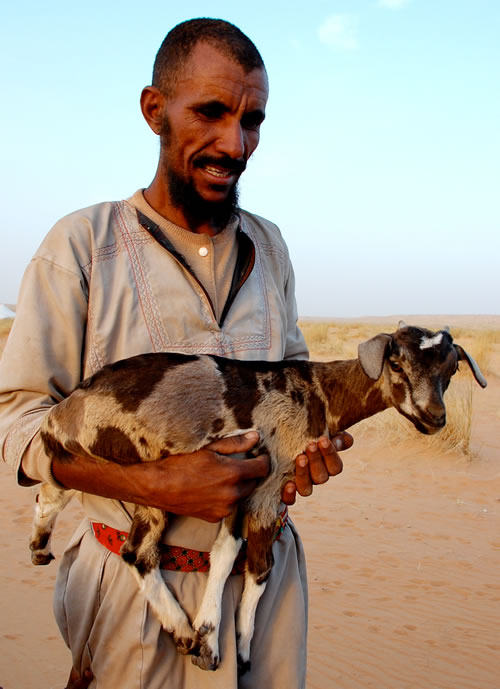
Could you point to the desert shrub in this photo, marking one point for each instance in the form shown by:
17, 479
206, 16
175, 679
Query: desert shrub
315, 333
480, 344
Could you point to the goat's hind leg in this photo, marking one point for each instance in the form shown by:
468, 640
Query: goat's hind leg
49, 502
141, 552
257, 570
207, 623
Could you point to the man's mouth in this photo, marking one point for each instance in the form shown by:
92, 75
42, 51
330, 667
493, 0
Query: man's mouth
217, 172
223, 169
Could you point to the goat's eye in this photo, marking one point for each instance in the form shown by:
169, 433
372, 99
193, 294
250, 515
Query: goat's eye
395, 366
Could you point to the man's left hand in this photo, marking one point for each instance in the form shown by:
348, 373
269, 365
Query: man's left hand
315, 466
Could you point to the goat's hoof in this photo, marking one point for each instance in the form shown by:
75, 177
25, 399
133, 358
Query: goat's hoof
187, 645
243, 666
38, 558
205, 660
207, 657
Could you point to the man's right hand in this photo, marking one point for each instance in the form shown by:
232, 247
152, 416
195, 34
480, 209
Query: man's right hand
206, 484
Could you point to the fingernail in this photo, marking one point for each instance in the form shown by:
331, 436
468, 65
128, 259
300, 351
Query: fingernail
252, 435
324, 442
302, 461
312, 447
338, 444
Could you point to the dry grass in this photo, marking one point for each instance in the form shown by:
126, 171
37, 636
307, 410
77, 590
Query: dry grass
5, 326
340, 341
316, 333
480, 344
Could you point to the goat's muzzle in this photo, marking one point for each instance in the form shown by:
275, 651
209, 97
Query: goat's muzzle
429, 422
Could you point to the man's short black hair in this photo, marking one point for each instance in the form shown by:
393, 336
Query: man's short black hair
180, 42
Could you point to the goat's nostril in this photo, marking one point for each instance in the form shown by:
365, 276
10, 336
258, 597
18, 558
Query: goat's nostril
435, 416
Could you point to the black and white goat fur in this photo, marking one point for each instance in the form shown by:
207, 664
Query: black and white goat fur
153, 405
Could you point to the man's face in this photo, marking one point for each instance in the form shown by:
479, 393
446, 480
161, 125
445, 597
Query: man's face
211, 129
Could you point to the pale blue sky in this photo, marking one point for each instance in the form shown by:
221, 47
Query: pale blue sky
379, 157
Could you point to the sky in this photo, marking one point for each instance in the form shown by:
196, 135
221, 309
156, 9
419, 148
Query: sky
379, 158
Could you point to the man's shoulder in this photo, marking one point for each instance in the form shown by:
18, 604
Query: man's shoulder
80, 233
264, 231
94, 223
93, 215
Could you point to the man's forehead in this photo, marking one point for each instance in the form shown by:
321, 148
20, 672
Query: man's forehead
208, 68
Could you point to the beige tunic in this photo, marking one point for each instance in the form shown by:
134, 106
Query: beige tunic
101, 288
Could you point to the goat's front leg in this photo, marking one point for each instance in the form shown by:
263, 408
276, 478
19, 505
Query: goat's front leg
207, 622
257, 570
49, 502
141, 551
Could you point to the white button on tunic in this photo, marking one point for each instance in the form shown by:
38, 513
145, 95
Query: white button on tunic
203, 251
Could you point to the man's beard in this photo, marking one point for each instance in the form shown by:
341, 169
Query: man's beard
195, 208
184, 196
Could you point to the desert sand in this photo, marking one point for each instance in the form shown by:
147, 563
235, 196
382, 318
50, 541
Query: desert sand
403, 560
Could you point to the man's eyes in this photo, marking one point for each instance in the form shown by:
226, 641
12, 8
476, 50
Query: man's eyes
252, 120
216, 111
212, 111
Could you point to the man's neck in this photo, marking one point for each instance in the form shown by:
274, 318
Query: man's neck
158, 198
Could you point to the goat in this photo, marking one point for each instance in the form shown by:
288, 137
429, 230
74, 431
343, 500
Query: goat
160, 404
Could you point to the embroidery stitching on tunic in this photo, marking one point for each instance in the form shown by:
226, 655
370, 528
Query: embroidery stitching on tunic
146, 298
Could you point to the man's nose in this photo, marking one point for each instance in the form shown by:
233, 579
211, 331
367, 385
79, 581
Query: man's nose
231, 141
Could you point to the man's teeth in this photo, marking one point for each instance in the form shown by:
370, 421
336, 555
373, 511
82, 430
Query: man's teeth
216, 172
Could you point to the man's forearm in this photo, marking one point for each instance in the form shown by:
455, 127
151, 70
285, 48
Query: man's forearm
107, 479
206, 484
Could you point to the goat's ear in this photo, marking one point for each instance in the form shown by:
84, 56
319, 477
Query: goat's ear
372, 353
476, 372
402, 325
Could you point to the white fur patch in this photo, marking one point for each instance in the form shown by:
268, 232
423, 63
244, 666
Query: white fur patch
169, 612
428, 342
245, 620
50, 502
222, 557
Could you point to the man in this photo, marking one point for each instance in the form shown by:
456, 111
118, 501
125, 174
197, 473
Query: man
179, 267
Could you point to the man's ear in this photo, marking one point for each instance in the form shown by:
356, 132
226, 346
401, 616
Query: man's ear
153, 107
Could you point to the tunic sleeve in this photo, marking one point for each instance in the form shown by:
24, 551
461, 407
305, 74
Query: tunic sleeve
42, 361
296, 347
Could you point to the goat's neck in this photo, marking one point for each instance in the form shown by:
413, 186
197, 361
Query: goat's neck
349, 394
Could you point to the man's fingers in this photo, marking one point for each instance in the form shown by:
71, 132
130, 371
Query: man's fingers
257, 467
330, 456
319, 461
289, 493
302, 476
317, 467
342, 441
234, 444
248, 469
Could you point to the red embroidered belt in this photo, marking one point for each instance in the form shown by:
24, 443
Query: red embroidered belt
174, 557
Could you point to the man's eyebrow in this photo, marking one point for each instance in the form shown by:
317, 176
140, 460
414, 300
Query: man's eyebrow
257, 114
213, 103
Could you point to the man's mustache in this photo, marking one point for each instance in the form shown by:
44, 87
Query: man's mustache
237, 165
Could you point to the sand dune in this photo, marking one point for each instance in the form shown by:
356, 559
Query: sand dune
403, 557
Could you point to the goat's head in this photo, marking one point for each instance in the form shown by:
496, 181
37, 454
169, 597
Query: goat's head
417, 365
